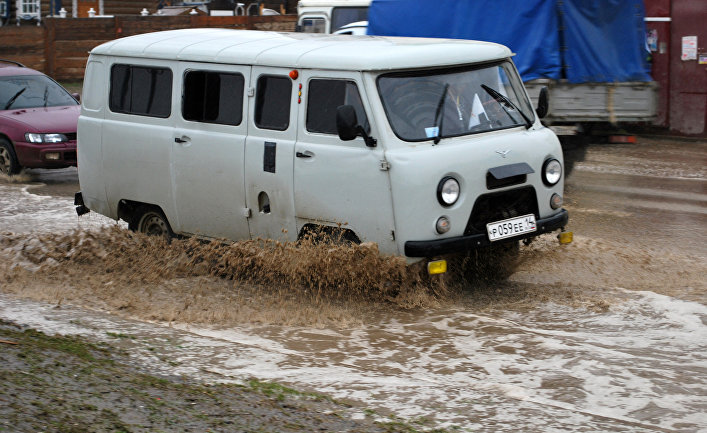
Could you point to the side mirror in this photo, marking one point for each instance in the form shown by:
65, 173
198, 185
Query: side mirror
348, 128
543, 102
76, 96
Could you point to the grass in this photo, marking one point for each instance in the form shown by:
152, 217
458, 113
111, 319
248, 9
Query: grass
70, 384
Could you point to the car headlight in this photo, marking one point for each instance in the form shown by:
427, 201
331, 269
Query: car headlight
552, 172
31, 137
448, 191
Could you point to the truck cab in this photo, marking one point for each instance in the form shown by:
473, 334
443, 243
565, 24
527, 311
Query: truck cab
329, 16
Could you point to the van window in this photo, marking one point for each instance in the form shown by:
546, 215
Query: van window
145, 91
421, 105
213, 97
313, 25
325, 96
272, 102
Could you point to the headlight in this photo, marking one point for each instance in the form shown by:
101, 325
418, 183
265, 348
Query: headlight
448, 191
31, 137
442, 226
552, 172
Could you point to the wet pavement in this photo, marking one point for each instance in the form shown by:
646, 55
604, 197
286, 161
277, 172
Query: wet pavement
606, 334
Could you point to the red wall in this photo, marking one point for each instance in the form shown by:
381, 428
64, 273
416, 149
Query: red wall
683, 94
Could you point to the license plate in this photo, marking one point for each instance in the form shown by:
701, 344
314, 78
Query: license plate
511, 227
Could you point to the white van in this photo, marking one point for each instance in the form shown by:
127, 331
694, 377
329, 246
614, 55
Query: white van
423, 146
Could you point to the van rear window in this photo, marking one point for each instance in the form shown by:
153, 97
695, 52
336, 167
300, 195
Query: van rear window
213, 97
145, 91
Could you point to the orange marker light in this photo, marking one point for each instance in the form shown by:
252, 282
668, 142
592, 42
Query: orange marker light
294, 74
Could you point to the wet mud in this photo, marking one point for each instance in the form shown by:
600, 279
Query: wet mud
605, 334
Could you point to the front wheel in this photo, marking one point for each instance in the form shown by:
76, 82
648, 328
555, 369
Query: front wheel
8, 159
151, 221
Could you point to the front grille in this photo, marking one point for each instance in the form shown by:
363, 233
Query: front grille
70, 156
493, 183
71, 136
500, 206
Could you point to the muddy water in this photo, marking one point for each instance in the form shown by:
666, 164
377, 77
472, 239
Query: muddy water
606, 334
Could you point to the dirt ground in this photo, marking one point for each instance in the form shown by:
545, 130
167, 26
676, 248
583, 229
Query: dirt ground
67, 384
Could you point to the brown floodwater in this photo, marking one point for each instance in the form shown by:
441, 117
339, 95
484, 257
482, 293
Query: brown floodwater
608, 333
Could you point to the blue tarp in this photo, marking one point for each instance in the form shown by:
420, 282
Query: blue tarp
603, 40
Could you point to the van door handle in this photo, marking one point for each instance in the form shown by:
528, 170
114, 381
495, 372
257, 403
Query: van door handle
181, 140
306, 154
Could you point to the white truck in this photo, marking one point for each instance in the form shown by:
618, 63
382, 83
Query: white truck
601, 35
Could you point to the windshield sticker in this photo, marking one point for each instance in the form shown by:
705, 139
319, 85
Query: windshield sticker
432, 132
476, 111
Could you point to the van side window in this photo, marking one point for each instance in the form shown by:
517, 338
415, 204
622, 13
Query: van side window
213, 97
145, 91
325, 96
272, 102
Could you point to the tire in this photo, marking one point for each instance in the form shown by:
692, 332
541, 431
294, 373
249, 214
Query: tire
8, 158
328, 235
151, 221
491, 264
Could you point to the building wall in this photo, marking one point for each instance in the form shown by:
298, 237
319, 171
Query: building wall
683, 104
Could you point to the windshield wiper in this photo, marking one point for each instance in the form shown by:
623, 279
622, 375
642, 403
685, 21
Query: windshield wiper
14, 98
440, 104
506, 104
46, 93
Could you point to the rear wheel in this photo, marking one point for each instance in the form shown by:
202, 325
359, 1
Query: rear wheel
8, 159
151, 221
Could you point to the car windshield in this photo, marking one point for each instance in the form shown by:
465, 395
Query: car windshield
436, 104
30, 91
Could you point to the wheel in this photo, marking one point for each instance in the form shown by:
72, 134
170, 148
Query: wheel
494, 263
328, 235
8, 159
151, 221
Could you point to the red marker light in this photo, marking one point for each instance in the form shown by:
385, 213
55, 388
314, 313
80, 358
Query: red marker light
294, 74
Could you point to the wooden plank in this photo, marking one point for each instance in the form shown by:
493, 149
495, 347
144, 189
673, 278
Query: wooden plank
70, 62
75, 48
69, 74
77, 29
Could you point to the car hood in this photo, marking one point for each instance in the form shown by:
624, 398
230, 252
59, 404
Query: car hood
41, 119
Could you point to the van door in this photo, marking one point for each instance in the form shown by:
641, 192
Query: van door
341, 182
209, 149
269, 154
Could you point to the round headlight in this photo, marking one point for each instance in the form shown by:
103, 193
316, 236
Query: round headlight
552, 172
448, 191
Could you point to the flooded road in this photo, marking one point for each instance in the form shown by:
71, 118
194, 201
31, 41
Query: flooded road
606, 334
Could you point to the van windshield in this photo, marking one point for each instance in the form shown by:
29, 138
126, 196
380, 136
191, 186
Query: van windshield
435, 104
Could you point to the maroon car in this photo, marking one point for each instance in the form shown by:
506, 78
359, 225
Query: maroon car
37, 120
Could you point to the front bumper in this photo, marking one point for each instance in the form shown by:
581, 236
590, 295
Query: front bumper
34, 155
467, 243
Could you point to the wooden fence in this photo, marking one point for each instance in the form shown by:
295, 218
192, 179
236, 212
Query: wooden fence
60, 47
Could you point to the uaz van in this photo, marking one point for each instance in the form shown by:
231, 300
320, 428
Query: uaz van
422, 146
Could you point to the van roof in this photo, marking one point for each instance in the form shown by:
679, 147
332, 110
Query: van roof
302, 50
